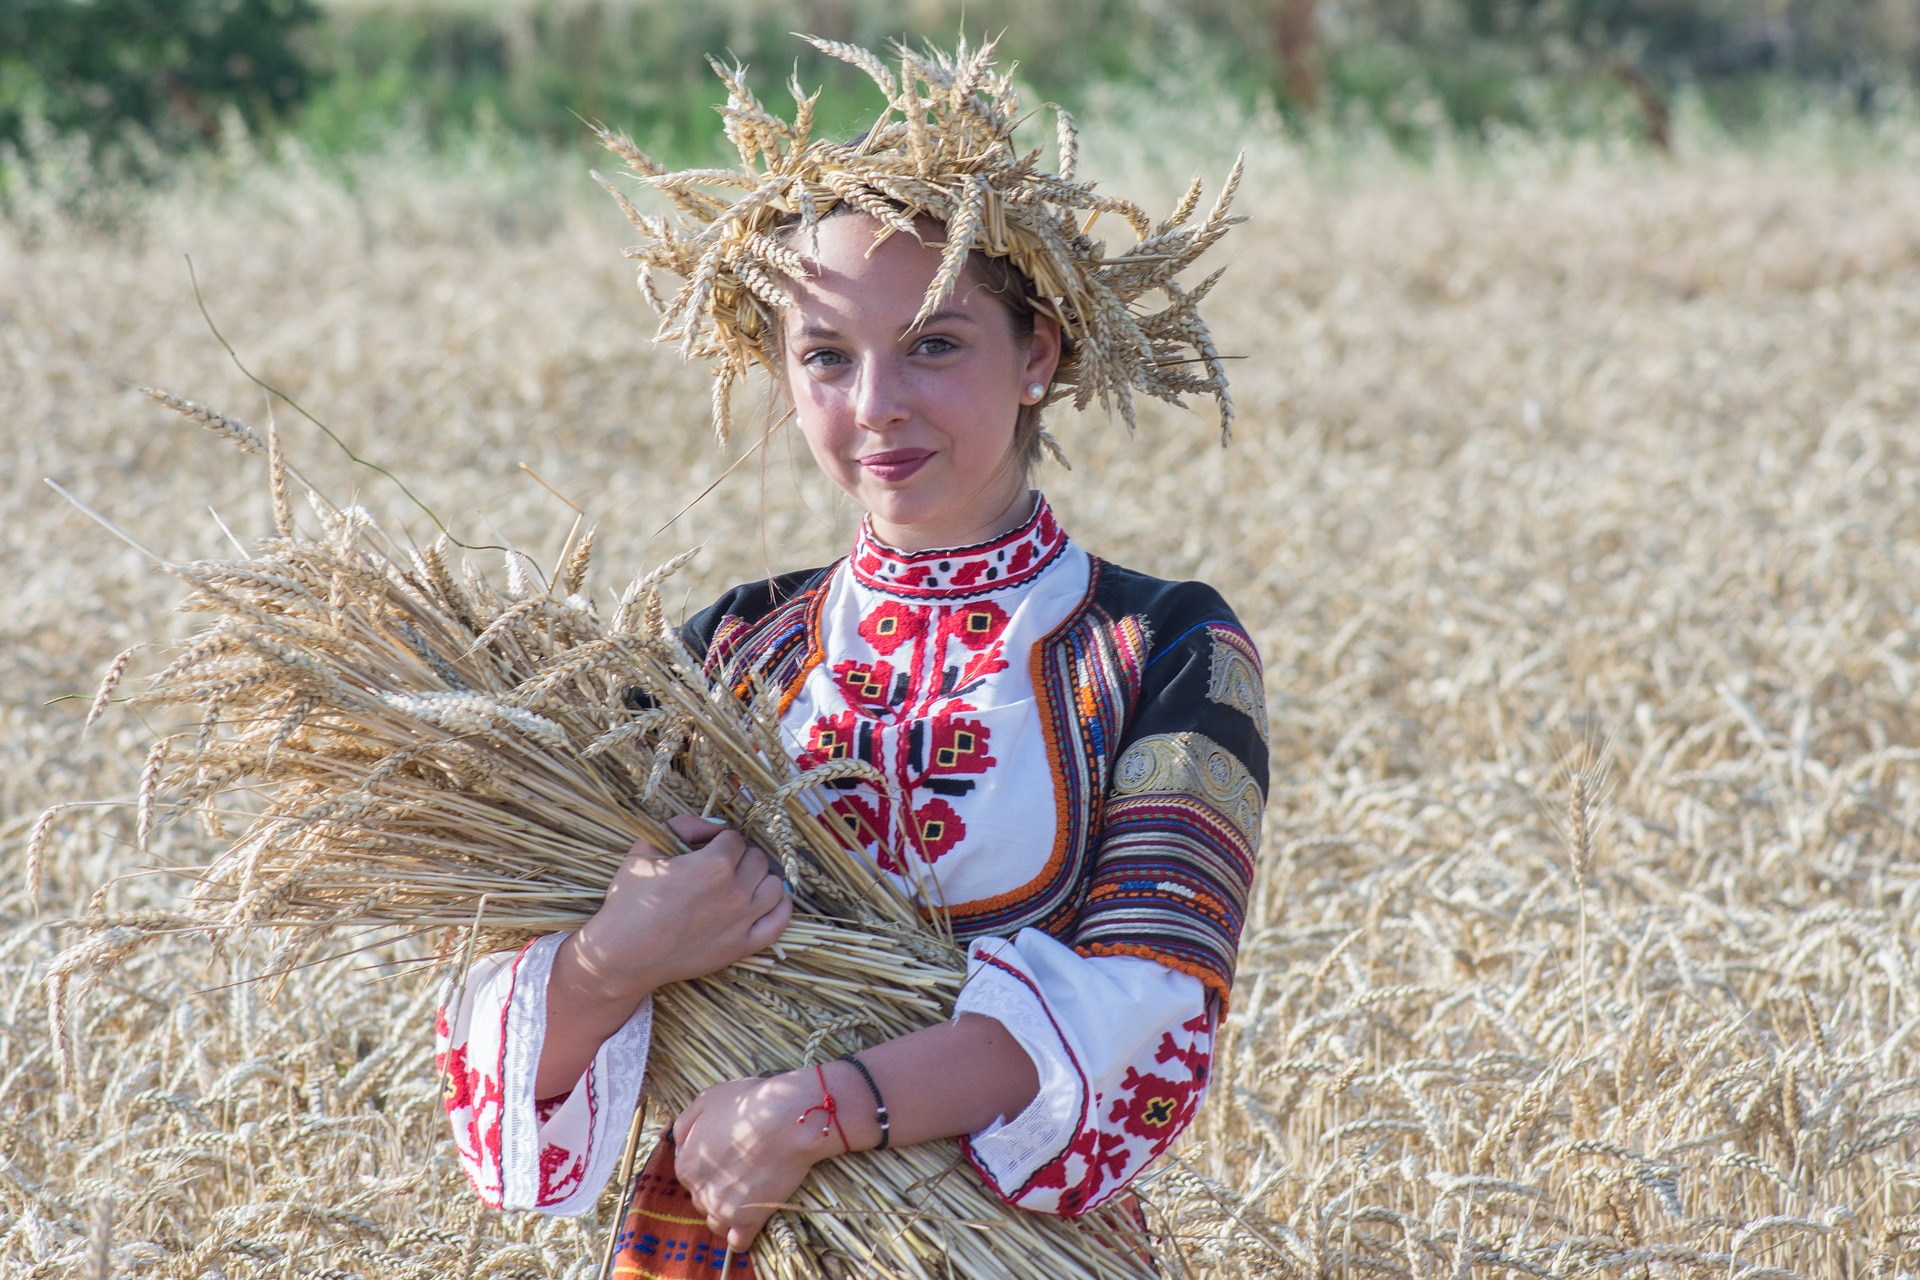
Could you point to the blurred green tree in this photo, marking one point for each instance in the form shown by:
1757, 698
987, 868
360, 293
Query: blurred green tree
167, 67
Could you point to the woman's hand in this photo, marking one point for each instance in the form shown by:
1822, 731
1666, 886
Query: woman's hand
664, 919
741, 1148
668, 919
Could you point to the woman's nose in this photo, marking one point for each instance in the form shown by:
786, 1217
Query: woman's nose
880, 399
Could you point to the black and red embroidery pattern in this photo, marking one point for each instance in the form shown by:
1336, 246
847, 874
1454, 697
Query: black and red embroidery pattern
962, 571
911, 694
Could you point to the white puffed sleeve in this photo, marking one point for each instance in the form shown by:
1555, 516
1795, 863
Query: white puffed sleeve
549, 1154
1123, 1046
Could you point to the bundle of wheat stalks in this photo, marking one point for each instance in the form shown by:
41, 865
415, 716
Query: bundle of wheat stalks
412, 748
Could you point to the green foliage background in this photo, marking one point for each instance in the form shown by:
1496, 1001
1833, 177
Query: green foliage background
341, 74
165, 67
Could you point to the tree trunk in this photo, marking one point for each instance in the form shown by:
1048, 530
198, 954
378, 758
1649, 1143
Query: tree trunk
1295, 34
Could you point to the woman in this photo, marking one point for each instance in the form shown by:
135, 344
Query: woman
1075, 753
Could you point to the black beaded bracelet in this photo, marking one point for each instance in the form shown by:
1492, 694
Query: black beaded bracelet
879, 1103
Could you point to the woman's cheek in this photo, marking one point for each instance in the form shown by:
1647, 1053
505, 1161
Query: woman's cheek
830, 446
831, 416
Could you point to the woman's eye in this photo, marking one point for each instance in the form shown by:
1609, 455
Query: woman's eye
821, 359
935, 346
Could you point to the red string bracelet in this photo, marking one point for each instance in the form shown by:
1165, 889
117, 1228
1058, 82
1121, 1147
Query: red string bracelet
828, 1105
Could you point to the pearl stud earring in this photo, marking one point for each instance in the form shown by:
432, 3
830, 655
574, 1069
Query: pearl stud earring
1036, 390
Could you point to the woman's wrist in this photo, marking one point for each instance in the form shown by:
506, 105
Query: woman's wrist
826, 1110
805, 1106
583, 1009
867, 1105
859, 1118
580, 965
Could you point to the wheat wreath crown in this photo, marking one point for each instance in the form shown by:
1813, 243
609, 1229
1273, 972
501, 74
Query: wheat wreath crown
943, 147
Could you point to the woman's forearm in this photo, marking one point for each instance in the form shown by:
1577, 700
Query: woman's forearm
741, 1152
582, 1013
942, 1081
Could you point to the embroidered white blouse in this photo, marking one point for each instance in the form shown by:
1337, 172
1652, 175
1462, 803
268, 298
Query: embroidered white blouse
925, 667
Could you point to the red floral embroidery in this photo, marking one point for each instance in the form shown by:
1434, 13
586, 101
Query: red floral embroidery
955, 745
561, 1172
892, 625
937, 828
1099, 1155
474, 1101
1154, 1107
975, 625
865, 685
906, 692
960, 572
1126, 1127
1196, 1054
456, 1078
862, 820
832, 737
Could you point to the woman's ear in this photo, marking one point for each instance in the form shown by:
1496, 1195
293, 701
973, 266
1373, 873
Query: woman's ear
1043, 351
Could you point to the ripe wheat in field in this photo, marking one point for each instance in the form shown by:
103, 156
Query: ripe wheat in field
1565, 468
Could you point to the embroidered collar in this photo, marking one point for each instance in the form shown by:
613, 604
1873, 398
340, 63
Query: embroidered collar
1013, 559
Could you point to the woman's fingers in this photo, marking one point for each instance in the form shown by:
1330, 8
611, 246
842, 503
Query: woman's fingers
724, 848
739, 1223
728, 1215
766, 930
694, 830
682, 1125
770, 905
740, 1154
668, 919
770, 894
754, 869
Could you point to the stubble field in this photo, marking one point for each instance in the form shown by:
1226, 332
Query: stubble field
1560, 475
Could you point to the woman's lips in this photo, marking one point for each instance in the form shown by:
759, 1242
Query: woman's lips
895, 464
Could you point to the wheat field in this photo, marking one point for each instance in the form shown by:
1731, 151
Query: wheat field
1573, 508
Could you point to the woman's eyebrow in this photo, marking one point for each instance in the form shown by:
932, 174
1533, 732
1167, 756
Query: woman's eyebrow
939, 318
827, 333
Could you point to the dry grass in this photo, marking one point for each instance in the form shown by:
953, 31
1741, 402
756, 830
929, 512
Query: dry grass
1572, 457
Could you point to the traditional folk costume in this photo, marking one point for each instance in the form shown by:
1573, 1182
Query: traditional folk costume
1075, 759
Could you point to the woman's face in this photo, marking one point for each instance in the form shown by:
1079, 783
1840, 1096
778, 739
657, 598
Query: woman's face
917, 424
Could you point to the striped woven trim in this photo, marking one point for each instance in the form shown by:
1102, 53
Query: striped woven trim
1086, 679
1176, 859
778, 649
